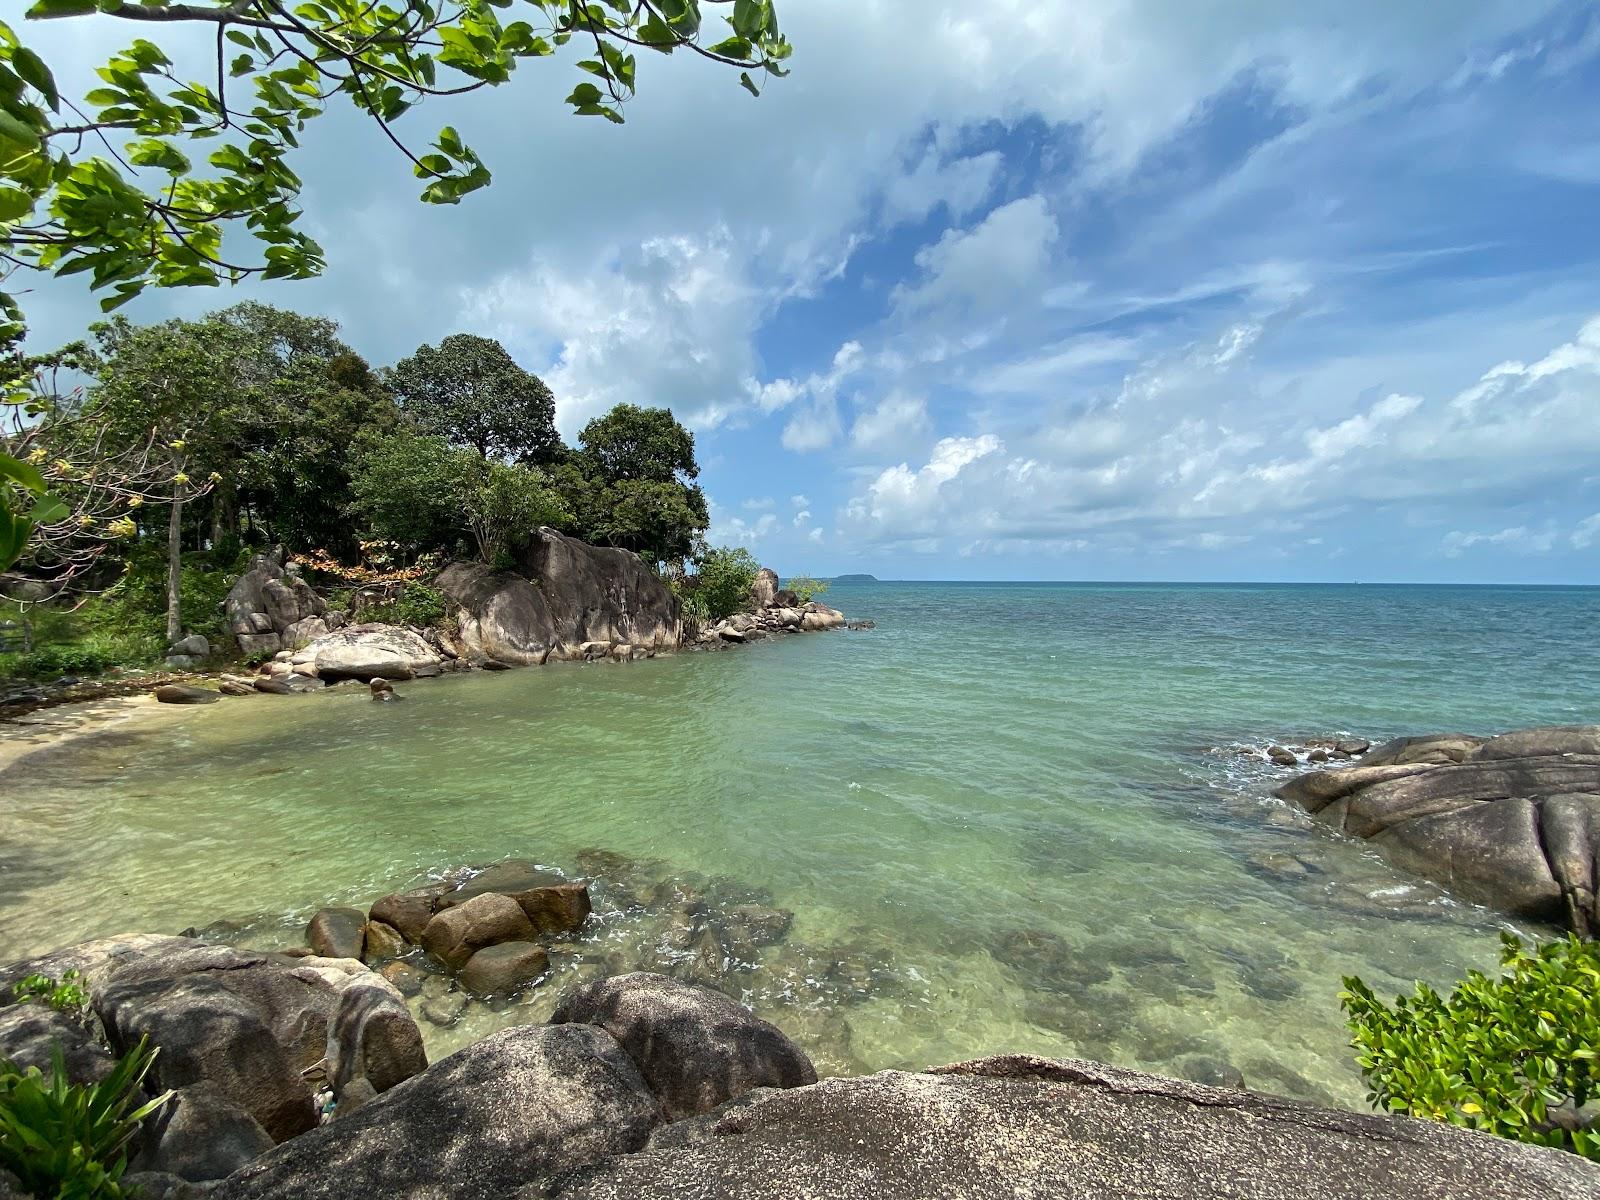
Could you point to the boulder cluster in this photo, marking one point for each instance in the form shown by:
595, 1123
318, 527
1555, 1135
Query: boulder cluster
271, 607
1512, 822
487, 931
773, 610
640, 1086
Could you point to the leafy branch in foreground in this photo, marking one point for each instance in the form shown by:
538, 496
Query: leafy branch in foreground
1513, 1056
71, 1140
112, 187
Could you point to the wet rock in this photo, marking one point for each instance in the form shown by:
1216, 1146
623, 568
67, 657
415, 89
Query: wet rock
273, 687
1352, 746
1281, 756
559, 908
455, 934
1212, 1072
337, 932
373, 1042
234, 685
504, 968
695, 1048
1278, 865
1048, 958
444, 1010
383, 691
1317, 756
184, 693
201, 1134
407, 978
383, 942
511, 1111
409, 912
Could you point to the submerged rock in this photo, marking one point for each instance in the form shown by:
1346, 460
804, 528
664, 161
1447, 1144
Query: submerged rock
504, 968
185, 693
1512, 822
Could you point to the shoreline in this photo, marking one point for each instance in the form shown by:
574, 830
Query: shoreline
58, 726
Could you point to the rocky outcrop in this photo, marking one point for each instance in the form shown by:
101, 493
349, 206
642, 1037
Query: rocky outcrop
1035, 1127
1512, 822
696, 1048
563, 593
368, 652
525, 1105
270, 607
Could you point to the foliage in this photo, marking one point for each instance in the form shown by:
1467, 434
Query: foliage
67, 1140
380, 564
724, 577
66, 996
468, 391
805, 588
505, 503
413, 604
406, 486
628, 484
196, 158
1514, 1056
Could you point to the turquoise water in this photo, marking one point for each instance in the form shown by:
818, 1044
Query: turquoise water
1009, 818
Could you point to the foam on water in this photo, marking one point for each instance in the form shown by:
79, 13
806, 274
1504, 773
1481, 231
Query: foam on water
1000, 819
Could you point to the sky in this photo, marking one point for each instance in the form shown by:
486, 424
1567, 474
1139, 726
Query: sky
1107, 289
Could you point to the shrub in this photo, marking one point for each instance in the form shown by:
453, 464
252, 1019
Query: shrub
806, 588
67, 996
416, 604
69, 1141
724, 578
1513, 1056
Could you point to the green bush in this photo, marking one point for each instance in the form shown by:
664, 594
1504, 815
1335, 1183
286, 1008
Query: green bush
94, 654
66, 996
68, 1141
724, 578
417, 604
806, 588
1513, 1056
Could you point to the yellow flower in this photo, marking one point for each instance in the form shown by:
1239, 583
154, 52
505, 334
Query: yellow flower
38, 456
177, 445
135, 501
215, 477
180, 477
85, 520
63, 467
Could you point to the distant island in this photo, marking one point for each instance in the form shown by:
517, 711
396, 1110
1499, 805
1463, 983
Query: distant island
855, 579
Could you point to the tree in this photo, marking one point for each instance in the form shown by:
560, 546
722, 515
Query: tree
72, 200
470, 392
722, 580
406, 489
628, 485
630, 442
504, 504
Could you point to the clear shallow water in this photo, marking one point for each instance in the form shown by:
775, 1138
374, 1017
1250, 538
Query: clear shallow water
1005, 820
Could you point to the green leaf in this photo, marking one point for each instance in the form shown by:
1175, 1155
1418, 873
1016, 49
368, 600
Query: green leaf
749, 84
32, 69
47, 510
60, 8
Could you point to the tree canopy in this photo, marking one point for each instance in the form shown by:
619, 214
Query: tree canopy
470, 392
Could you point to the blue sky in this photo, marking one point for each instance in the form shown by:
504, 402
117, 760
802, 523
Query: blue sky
1102, 290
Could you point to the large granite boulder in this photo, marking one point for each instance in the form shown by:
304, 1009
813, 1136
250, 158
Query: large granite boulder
251, 1026
522, 1106
200, 1134
1511, 821
30, 1034
1038, 1128
372, 652
764, 591
267, 601
696, 1048
582, 593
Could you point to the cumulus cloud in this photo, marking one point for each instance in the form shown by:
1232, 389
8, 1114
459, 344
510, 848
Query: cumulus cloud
984, 267
897, 418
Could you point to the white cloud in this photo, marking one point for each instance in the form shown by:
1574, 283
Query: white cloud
759, 503
801, 517
1520, 539
960, 185
800, 501
896, 419
1586, 532
815, 535
986, 266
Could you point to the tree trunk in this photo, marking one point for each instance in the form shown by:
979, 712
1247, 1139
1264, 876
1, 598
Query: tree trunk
175, 568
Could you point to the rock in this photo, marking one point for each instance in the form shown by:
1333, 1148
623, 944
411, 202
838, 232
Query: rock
444, 1010
29, 1034
558, 908
504, 968
593, 651
409, 912
861, 625
372, 651
493, 664
1213, 1073
512, 1111
383, 691
696, 1048
407, 978
372, 1042
1282, 756
273, 687
764, 591
1318, 755
383, 942
233, 685
337, 932
194, 646
1028, 1127
184, 693
455, 934
267, 601
585, 594
1352, 746
201, 1134
1512, 822
303, 632
729, 634
181, 662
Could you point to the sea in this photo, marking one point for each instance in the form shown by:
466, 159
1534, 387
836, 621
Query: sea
1012, 817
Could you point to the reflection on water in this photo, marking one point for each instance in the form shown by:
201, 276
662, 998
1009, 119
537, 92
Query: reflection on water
997, 820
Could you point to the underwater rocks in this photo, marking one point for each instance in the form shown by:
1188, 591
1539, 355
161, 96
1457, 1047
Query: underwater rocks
1512, 822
